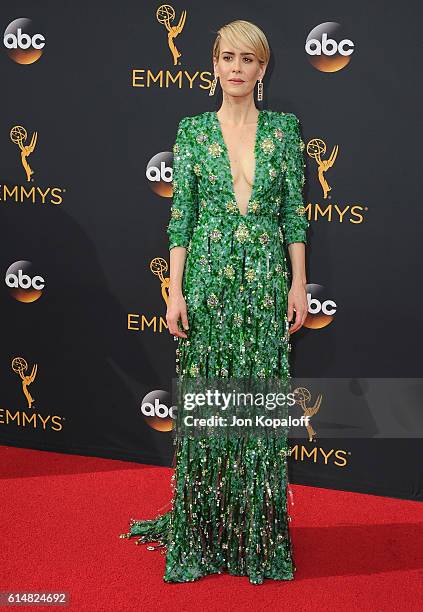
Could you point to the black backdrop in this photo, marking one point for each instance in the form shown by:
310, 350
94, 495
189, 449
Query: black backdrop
96, 329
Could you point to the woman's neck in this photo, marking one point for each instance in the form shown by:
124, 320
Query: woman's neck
239, 113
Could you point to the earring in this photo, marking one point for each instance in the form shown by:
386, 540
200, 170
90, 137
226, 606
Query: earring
260, 90
213, 86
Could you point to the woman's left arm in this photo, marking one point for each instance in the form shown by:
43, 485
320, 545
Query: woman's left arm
297, 297
294, 221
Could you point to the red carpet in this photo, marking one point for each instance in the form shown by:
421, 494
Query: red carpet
61, 516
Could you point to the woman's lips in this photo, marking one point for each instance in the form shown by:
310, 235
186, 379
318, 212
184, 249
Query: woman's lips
235, 81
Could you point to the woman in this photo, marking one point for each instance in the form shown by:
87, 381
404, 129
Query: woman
237, 204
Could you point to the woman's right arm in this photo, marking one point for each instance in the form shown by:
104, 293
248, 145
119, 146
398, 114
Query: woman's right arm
182, 222
176, 306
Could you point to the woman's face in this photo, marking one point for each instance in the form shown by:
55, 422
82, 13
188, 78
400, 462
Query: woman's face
238, 68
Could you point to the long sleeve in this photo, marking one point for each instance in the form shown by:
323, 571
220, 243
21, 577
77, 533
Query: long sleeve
184, 208
292, 213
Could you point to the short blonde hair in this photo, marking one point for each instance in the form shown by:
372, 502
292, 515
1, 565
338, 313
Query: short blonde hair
246, 32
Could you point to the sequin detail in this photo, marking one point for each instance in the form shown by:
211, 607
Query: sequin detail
230, 496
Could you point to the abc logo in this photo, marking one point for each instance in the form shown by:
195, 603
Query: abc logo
23, 44
159, 174
327, 47
157, 412
321, 309
24, 285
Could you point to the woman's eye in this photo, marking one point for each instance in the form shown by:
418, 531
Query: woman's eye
247, 59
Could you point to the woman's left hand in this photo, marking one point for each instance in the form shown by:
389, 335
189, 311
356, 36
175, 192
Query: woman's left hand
297, 300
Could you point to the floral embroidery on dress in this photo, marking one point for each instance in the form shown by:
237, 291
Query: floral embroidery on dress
212, 300
216, 235
176, 213
242, 233
231, 206
268, 301
264, 238
250, 275
215, 149
255, 206
229, 271
268, 145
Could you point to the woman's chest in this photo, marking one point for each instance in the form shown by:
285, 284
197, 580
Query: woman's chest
240, 148
224, 157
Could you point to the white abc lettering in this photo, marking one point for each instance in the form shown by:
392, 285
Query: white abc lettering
329, 46
163, 174
153, 174
157, 409
166, 172
161, 409
147, 409
328, 307
24, 281
346, 47
23, 41
38, 282
41, 43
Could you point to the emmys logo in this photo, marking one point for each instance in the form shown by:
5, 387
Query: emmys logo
19, 194
23, 44
158, 267
164, 79
323, 50
318, 454
316, 148
24, 285
321, 311
165, 14
139, 322
354, 213
302, 397
19, 366
18, 135
157, 414
34, 419
159, 174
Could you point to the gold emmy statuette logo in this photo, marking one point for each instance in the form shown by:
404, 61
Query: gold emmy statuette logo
316, 148
18, 136
302, 397
165, 14
19, 366
158, 266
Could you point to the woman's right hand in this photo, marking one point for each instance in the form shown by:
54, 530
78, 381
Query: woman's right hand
177, 309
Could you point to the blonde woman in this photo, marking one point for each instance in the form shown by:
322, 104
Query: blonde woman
237, 212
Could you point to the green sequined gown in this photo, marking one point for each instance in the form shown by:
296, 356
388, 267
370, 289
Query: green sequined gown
230, 505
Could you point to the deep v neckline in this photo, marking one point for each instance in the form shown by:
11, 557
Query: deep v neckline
256, 159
